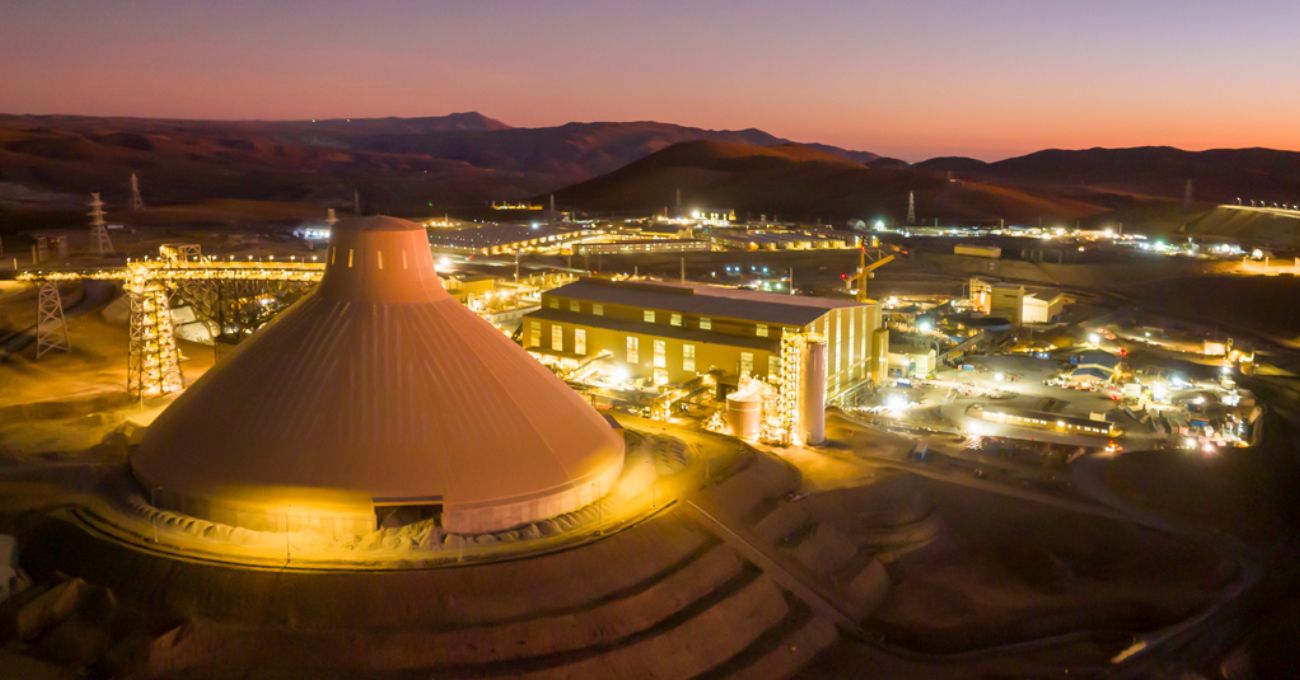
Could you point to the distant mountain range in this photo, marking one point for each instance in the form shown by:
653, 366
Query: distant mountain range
1218, 174
1143, 183
399, 164
796, 181
406, 165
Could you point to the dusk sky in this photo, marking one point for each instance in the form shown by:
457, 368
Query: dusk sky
913, 79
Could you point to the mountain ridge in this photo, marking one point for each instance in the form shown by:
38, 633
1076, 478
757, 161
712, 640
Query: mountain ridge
408, 164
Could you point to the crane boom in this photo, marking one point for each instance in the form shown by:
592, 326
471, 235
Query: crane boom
865, 269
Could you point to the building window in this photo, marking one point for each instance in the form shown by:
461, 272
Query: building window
633, 345
760, 330
553, 303
580, 341
661, 354
688, 358
675, 320
706, 324
773, 368
575, 306
648, 316
746, 363
534, 333
557, 337
597, 309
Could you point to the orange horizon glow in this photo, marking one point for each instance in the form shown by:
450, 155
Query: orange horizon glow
932, 78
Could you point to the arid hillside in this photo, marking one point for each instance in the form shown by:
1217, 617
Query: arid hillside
1216, 175
800, 182
399, 165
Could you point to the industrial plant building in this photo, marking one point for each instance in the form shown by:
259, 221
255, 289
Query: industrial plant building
669, 333
378, 399
643, 246
1016, 303
776, 238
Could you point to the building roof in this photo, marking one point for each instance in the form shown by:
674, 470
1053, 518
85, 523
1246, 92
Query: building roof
1048, 295
380, 384
1096, 357
705, 300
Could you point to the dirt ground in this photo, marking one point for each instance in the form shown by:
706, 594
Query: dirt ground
68, 401
1261, 304
1236, 491
1006, 571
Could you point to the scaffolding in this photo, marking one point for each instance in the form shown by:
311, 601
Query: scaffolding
153, 365
51, 327
789, 384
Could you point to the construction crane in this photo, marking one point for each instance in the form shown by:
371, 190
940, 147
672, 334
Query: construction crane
870, 262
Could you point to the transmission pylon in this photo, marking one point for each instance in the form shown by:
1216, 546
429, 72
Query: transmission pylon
137, 203
911, 208
98, 229
153, 365
51, 327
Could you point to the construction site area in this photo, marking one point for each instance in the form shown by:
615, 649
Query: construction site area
371, 447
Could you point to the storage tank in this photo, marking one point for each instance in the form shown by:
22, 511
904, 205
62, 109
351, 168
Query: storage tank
744, 413
812, 391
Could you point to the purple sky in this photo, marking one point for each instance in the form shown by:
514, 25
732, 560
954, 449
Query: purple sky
987, 78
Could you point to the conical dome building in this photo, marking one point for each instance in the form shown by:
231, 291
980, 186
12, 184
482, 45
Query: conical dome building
376, 393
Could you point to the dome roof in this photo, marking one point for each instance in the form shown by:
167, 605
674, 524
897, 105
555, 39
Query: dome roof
378, 389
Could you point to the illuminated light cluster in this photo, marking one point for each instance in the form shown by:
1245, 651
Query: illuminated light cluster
896, 404
787, 427
153, 362
1103, 429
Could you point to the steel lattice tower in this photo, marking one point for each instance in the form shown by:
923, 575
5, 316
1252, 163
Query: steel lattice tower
98, 229
137, 203
153, 362
51, 327
792, 349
